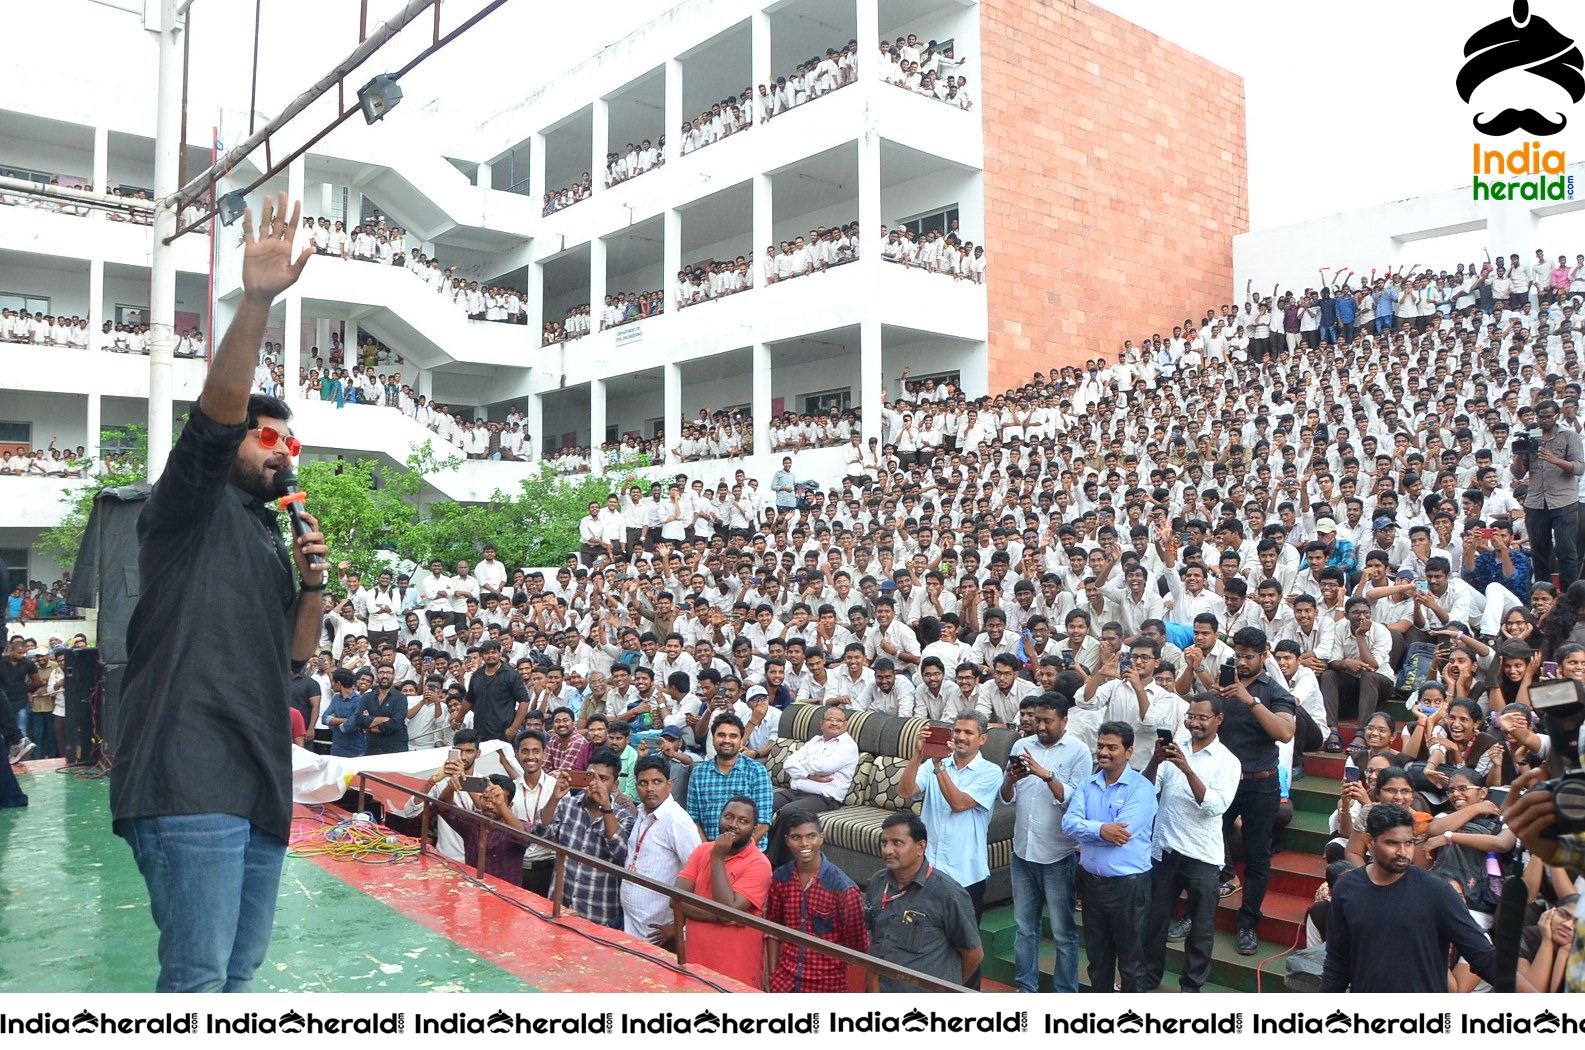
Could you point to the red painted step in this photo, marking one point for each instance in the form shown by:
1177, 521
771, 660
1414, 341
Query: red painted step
1282, 916
1296, 874
1324, 764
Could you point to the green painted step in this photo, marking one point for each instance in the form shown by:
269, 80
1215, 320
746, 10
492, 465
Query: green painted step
1308, 833
1000, 968
1229, 970
1315, 794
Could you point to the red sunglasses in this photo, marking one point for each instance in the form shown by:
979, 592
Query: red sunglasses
268, 436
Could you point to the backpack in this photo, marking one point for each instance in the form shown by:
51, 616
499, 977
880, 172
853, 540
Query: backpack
1415, 669
1467, 865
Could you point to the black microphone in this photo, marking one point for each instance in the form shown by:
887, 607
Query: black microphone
291, 500
1506, 936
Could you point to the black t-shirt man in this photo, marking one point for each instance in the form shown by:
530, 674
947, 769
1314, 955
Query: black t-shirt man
494, 699
14, 678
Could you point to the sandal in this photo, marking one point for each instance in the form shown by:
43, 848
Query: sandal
1227, 889
1334, 743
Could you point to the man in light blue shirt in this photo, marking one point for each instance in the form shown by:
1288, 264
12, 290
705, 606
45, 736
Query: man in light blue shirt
958, 793
1110, 818
783, 485
1044, 773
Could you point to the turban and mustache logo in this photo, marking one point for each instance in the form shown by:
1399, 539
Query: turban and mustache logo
1526, 42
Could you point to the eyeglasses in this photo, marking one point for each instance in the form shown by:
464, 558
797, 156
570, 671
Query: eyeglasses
268, 436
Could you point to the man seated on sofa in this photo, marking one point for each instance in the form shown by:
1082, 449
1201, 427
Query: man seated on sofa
819, 774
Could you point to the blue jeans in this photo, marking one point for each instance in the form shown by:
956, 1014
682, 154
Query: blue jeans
213, 879
1038, 886
41, 730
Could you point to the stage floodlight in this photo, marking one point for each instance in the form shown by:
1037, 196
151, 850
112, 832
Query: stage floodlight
231, 206
378, 97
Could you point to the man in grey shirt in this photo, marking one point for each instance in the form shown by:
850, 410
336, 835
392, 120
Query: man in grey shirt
1554, 462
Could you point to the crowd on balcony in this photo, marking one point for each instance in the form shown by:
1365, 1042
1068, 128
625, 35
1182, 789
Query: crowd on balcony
935, 251
724, 118
713, 279
815, 76
928, 69
378, 242
47, 462
635, 160
627, 307
567, 196
575, 325
1335, 523
41, 329
825, 248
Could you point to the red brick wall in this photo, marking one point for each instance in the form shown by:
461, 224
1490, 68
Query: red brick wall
1115, 179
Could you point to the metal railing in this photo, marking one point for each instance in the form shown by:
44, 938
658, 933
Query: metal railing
682, 901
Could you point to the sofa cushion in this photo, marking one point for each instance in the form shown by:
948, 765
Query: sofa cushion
854, 828
885, 780
799, 722
776, 761
859, 789
887, 734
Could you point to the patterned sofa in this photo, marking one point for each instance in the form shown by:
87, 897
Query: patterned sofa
886, 742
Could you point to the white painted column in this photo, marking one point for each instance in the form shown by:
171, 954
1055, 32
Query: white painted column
536, 425
536, 175
98, 313
596, 282
483, 177
672, 116
292, 345
671, 255
94, 423
758, 53
764, 232
292, 325
599, 142
322, 332
671, 401
327, 202
101, 169
596, 426
871, 379
760, 403
536, 302
869, 38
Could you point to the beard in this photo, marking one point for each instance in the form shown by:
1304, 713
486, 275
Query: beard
253, 480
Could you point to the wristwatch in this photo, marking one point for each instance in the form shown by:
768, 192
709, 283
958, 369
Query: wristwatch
607, 810
1447, 838
1048, 778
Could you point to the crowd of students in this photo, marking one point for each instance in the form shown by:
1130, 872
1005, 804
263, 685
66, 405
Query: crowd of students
1205, 557
928, 69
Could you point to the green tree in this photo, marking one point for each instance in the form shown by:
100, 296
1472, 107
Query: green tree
369, 512
62, 542
536, 525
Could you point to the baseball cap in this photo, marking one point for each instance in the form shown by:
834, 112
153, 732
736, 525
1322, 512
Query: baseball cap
1384, 522
671, 733
1326, 525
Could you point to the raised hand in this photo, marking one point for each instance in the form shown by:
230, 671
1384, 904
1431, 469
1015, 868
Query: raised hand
268, 268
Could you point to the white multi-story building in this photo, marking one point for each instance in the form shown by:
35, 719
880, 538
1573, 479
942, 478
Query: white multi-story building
470, 193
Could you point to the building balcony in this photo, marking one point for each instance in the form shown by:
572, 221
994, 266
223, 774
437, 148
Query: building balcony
39, 231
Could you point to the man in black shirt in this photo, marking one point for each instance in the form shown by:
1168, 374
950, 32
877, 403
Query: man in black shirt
19, 677
306, 696
383, 712
1256, 715
496, 696
1391, 923
919, 917
201, 786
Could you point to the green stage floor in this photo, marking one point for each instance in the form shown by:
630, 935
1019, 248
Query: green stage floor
74, 915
